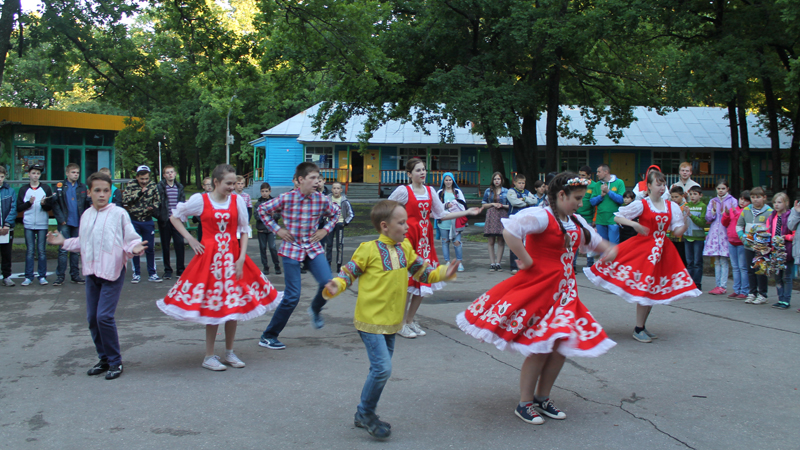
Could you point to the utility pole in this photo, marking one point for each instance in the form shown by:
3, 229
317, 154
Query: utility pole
228, 137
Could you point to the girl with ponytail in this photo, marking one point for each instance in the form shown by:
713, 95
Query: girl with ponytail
537, 312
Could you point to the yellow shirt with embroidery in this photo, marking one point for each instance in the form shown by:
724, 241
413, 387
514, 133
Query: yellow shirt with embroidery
383, 267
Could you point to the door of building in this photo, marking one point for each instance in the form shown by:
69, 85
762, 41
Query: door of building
344, 164
372, 166
356, 166
623, 165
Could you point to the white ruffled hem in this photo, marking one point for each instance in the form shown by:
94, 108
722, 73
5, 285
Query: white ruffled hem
630, 298
425, 291
194, 316
568, 349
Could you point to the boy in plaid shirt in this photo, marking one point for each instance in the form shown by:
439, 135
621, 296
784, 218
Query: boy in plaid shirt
301, 209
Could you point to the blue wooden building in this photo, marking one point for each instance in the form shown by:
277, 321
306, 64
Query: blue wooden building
699, 135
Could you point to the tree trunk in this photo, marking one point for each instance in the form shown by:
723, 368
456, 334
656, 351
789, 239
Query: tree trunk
734, 181
774, 134
198, 176
497, 156
744, 153
526, 149
551, 126
794, 154
10, 9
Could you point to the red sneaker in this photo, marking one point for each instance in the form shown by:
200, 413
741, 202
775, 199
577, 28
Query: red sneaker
742, 296
734, 295
714, 291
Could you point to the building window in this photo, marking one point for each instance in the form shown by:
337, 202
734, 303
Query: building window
701, 163
321, 156
404, 154
573, 160
669, 162
444, 159
26, 157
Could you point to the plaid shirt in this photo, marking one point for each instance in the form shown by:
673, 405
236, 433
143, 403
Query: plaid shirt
301, 215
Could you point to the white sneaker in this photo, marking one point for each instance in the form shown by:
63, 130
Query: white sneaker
8, 282
135, 279
416, 329
407, 332
232, 360
750, 298
212, 363
27, 282
42, 281
760, 300
461, 267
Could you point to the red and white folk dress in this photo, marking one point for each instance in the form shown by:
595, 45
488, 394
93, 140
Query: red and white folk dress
646, 271
421, 210
528, 312
208, 292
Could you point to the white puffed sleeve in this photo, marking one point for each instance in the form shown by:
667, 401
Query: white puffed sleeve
400, 195
593, 242
527, 221
193, 207
631, 211
244, 220
677, 216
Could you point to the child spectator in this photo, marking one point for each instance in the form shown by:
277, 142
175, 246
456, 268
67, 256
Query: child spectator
8, 214
626, 232
540, 198
586, 210
739, 263
717, 239
794, 222
383, 266
106, 243
208, 186
696, 236
240, 182
116, 194
345, 216
778, 225
754, 218
171, 193
31, 201
495, 201
266, 238
677, 196
519, 198
69, 202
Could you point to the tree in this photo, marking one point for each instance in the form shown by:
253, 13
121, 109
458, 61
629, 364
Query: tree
10, 9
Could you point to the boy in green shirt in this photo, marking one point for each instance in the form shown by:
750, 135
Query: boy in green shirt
695, 236
607, 198
587, 210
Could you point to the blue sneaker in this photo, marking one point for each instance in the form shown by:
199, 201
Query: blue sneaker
549, 409
271, 343
316, 319
642, 337
781, 305
528, 414
375, 427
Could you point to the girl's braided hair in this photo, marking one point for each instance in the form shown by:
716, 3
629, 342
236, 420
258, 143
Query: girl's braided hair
567, 182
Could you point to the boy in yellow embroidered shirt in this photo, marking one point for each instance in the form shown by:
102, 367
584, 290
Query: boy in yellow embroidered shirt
383, 266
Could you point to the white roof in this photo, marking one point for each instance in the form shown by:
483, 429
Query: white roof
693, 127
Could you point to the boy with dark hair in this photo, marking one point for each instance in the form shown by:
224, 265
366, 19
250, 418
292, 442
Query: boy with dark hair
116, 194
696, 235
540, 197
266, 238
170, 193
69, 203
302, 209
626, 232
31, 200
519, 198
677, 196
143, 202
754, 218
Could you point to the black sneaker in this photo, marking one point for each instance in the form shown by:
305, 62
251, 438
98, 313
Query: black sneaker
303, 271
271, 343
781, 305
266, 271
167, 276
58, 282
79, 280
277, 270
549, 409
529, 414
114, 372
98, 368
375, 427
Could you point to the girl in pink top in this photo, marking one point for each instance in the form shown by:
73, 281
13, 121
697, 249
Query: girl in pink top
106, 244
739, 262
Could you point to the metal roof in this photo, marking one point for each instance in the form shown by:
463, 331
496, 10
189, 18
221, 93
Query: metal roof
693, 127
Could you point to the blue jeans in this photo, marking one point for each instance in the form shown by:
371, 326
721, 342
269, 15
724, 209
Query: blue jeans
102, 297
74, 258
147, 230
609, 232
739, 266
783, 281
380, 348
721, 271
694, 260
321, 270
35, 241
446, 245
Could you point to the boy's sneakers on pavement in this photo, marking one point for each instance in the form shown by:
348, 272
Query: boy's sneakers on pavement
734, 296
79, 280
213, 363
375, 427
749, 298
760, 300
8, 282
642, 337
154, 279
416, 329
461, 267
97, 369
781, 305
27, 282
528, 414
135, 279
718, 291
316, 319
42, 281
58, 282
741, 296
277, 270
549, 409
232, 360
271, 343
167, 276
114, 372
407, 332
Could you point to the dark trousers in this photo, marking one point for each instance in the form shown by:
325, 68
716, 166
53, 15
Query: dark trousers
5, 256
694, 260
147, 230
758, 283
681, 248
338, 236
102, 297
169, 233
74, 258
267, 241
